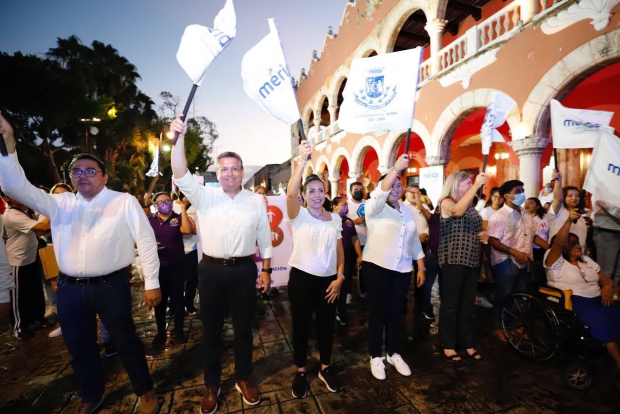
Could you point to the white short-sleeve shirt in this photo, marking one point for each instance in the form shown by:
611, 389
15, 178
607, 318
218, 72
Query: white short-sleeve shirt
22, 244
563, 275
314, 243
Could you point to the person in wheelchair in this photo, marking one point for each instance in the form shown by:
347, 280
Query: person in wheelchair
567, 268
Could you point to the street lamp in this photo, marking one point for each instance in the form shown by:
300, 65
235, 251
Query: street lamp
93, 130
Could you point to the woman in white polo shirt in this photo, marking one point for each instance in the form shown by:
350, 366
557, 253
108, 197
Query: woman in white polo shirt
317, 272
391, 247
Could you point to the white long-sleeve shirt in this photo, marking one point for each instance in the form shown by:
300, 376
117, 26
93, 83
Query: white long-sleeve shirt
6, 281
393, 242
229, 227
420, 220
91, 238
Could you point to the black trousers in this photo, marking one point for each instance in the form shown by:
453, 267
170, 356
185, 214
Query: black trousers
191, 277
27, 299
456, 315
387, 290
349, 267
307, 295
221, 289
171, 281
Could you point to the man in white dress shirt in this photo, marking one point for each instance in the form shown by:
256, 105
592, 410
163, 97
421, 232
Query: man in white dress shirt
94, 233
6, 280
231, 220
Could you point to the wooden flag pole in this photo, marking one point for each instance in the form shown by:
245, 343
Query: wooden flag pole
185, 111
555, 158
484, 162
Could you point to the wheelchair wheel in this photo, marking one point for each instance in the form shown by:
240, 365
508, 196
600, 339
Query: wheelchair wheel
578, 377
531, 326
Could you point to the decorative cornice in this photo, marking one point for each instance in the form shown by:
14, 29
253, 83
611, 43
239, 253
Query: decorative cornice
436, 160
435, 26
530, 147
464, 71
597, 10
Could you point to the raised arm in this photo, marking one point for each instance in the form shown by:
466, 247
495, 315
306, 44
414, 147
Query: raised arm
177, 158
558, 194
390, 178
561, 238
451, 209
292, 190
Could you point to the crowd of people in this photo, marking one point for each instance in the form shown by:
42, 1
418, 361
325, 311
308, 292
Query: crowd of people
388, 239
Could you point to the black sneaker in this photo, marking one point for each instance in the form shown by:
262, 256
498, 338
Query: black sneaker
24, 334
429, 314
342, 319
192, 311
300, 385
330, 380
159, 341
109, 349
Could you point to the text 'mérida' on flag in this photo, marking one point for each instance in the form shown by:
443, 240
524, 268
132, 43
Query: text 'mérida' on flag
267, 79
200, 44
493, 119
380, 92
576, 128
603, 177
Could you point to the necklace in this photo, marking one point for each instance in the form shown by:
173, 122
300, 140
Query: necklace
316, 217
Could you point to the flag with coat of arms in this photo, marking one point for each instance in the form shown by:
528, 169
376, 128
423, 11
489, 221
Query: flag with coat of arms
576, 128
603, 176
380, 92
267, 79
493, 119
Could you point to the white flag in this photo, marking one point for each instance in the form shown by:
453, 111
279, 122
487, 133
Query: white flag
154, 170
603, 177
576, 128
494, 118
200, 45
267, 79
380, 92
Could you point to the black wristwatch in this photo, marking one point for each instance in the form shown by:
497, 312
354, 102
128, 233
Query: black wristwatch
267, 270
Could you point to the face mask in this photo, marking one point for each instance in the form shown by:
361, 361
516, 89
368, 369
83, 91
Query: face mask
344, 211
548, 189
519, 199
164, 209
357, 195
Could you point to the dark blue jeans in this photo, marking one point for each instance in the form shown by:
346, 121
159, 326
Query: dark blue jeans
509, 279
78, 307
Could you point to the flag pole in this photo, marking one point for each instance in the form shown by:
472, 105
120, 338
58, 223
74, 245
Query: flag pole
3, 150
302, 133
555, 158
185, 111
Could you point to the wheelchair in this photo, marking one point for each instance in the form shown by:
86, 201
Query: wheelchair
541, 324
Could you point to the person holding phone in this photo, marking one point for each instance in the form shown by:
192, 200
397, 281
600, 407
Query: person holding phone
94, 232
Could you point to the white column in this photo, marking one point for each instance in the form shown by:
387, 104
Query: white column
529, 151
332, 114
529, 8
383, 170
333, 181
436, 160
434, 28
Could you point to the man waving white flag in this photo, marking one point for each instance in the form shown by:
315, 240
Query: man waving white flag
380, 92
267, 79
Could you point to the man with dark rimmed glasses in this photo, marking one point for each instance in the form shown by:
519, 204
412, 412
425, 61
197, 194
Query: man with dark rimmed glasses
94, 232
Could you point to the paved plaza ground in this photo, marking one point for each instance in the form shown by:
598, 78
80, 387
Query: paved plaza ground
36, 377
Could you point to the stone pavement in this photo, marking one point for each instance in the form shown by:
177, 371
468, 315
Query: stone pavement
36, 377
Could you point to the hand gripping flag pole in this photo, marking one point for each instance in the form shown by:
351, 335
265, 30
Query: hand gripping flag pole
201, 45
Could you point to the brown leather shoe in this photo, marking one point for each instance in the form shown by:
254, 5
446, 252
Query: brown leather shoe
149, 403
208, 405
249, 390
88, 408
500, 335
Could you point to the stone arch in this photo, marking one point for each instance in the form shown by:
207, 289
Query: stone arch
371, 44
567, 73
392, 142
337, 78
457, 111
337, 156
308, 169
392, 24
321, 164
360, 150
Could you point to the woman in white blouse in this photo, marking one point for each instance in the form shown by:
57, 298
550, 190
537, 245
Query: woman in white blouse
568, 268
317, 272
391, 247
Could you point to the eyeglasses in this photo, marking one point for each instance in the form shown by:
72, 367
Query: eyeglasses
89, 172
162, 202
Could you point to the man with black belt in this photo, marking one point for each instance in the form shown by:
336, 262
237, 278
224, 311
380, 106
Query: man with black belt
231, 221
94, 233
606, 218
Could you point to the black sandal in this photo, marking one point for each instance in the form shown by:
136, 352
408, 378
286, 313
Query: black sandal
474, 355
452, 358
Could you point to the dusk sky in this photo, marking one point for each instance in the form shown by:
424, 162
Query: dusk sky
148, 32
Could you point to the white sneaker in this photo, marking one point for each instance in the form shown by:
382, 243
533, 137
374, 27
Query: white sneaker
349, 298
400, 365
377, 368
55, 333
484, 302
